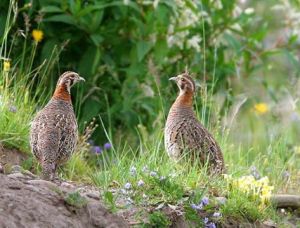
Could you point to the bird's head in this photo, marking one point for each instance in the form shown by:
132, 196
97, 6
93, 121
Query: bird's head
68, 79
185, 83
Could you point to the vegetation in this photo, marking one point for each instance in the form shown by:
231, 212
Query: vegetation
127, 50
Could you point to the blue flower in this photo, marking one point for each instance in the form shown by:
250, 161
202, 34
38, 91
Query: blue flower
145, 169
97, 149
132, 171
162, 178
153, 174
205, 220
210, 225
205, 201
127, 186
196, 207
141, 183
13, 108
107, 146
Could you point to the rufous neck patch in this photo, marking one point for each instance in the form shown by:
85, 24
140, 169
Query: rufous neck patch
61, 92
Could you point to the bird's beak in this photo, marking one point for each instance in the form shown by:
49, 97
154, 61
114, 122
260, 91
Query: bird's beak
173, 79
81, 79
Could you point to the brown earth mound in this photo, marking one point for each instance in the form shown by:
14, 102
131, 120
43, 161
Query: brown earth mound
26, 201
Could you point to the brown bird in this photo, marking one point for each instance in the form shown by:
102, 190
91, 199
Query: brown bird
53, 133
185, 135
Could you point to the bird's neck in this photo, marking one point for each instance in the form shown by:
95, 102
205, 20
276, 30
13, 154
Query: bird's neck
184, 99
62, 93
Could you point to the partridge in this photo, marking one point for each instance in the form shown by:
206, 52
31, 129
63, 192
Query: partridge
185, 135
53, 133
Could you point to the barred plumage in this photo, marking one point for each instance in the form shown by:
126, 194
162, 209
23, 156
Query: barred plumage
53, 133
185, 135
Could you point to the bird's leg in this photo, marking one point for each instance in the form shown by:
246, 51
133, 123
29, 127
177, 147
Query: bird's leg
48, 172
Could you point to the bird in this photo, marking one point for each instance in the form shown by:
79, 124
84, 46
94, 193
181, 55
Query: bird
54, 130
185, 136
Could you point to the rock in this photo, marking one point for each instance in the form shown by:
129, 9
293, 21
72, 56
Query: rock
40, 182
38, 203
16, 176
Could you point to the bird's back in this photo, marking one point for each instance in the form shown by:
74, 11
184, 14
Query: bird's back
184, 133
54, 132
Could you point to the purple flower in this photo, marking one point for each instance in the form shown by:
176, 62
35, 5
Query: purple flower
153, 174
145, 169
196, 207
205, 220
205, 201
162, 178
132, 171
217, 214
210, 225
107, 146
140, 183
97, 149
127, 186
13, 108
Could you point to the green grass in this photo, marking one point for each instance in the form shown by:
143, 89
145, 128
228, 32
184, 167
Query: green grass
142, 171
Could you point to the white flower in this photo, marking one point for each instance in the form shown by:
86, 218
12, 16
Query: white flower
194, 42
132, 171
249, 11
127, 186
126, 2
141, 183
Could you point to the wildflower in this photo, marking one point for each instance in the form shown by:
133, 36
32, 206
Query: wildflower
196, 207
261, 108
205, 220
107, 146
141, 183
162, 178
211, 225
127, 186
37, 35
205, 201
254, 172
6, 65
132, 171
194, 43
13, 108
217, 214
153, 174
97, 149
286, 175
145, 169
249, 11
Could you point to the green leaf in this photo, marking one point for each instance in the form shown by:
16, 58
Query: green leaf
51, 9
143, 47
64, 18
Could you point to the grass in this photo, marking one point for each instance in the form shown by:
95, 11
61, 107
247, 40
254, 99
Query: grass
142, 173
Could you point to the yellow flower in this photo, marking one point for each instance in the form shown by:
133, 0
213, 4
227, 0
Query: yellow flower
37, 35
261, 108
6, 65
